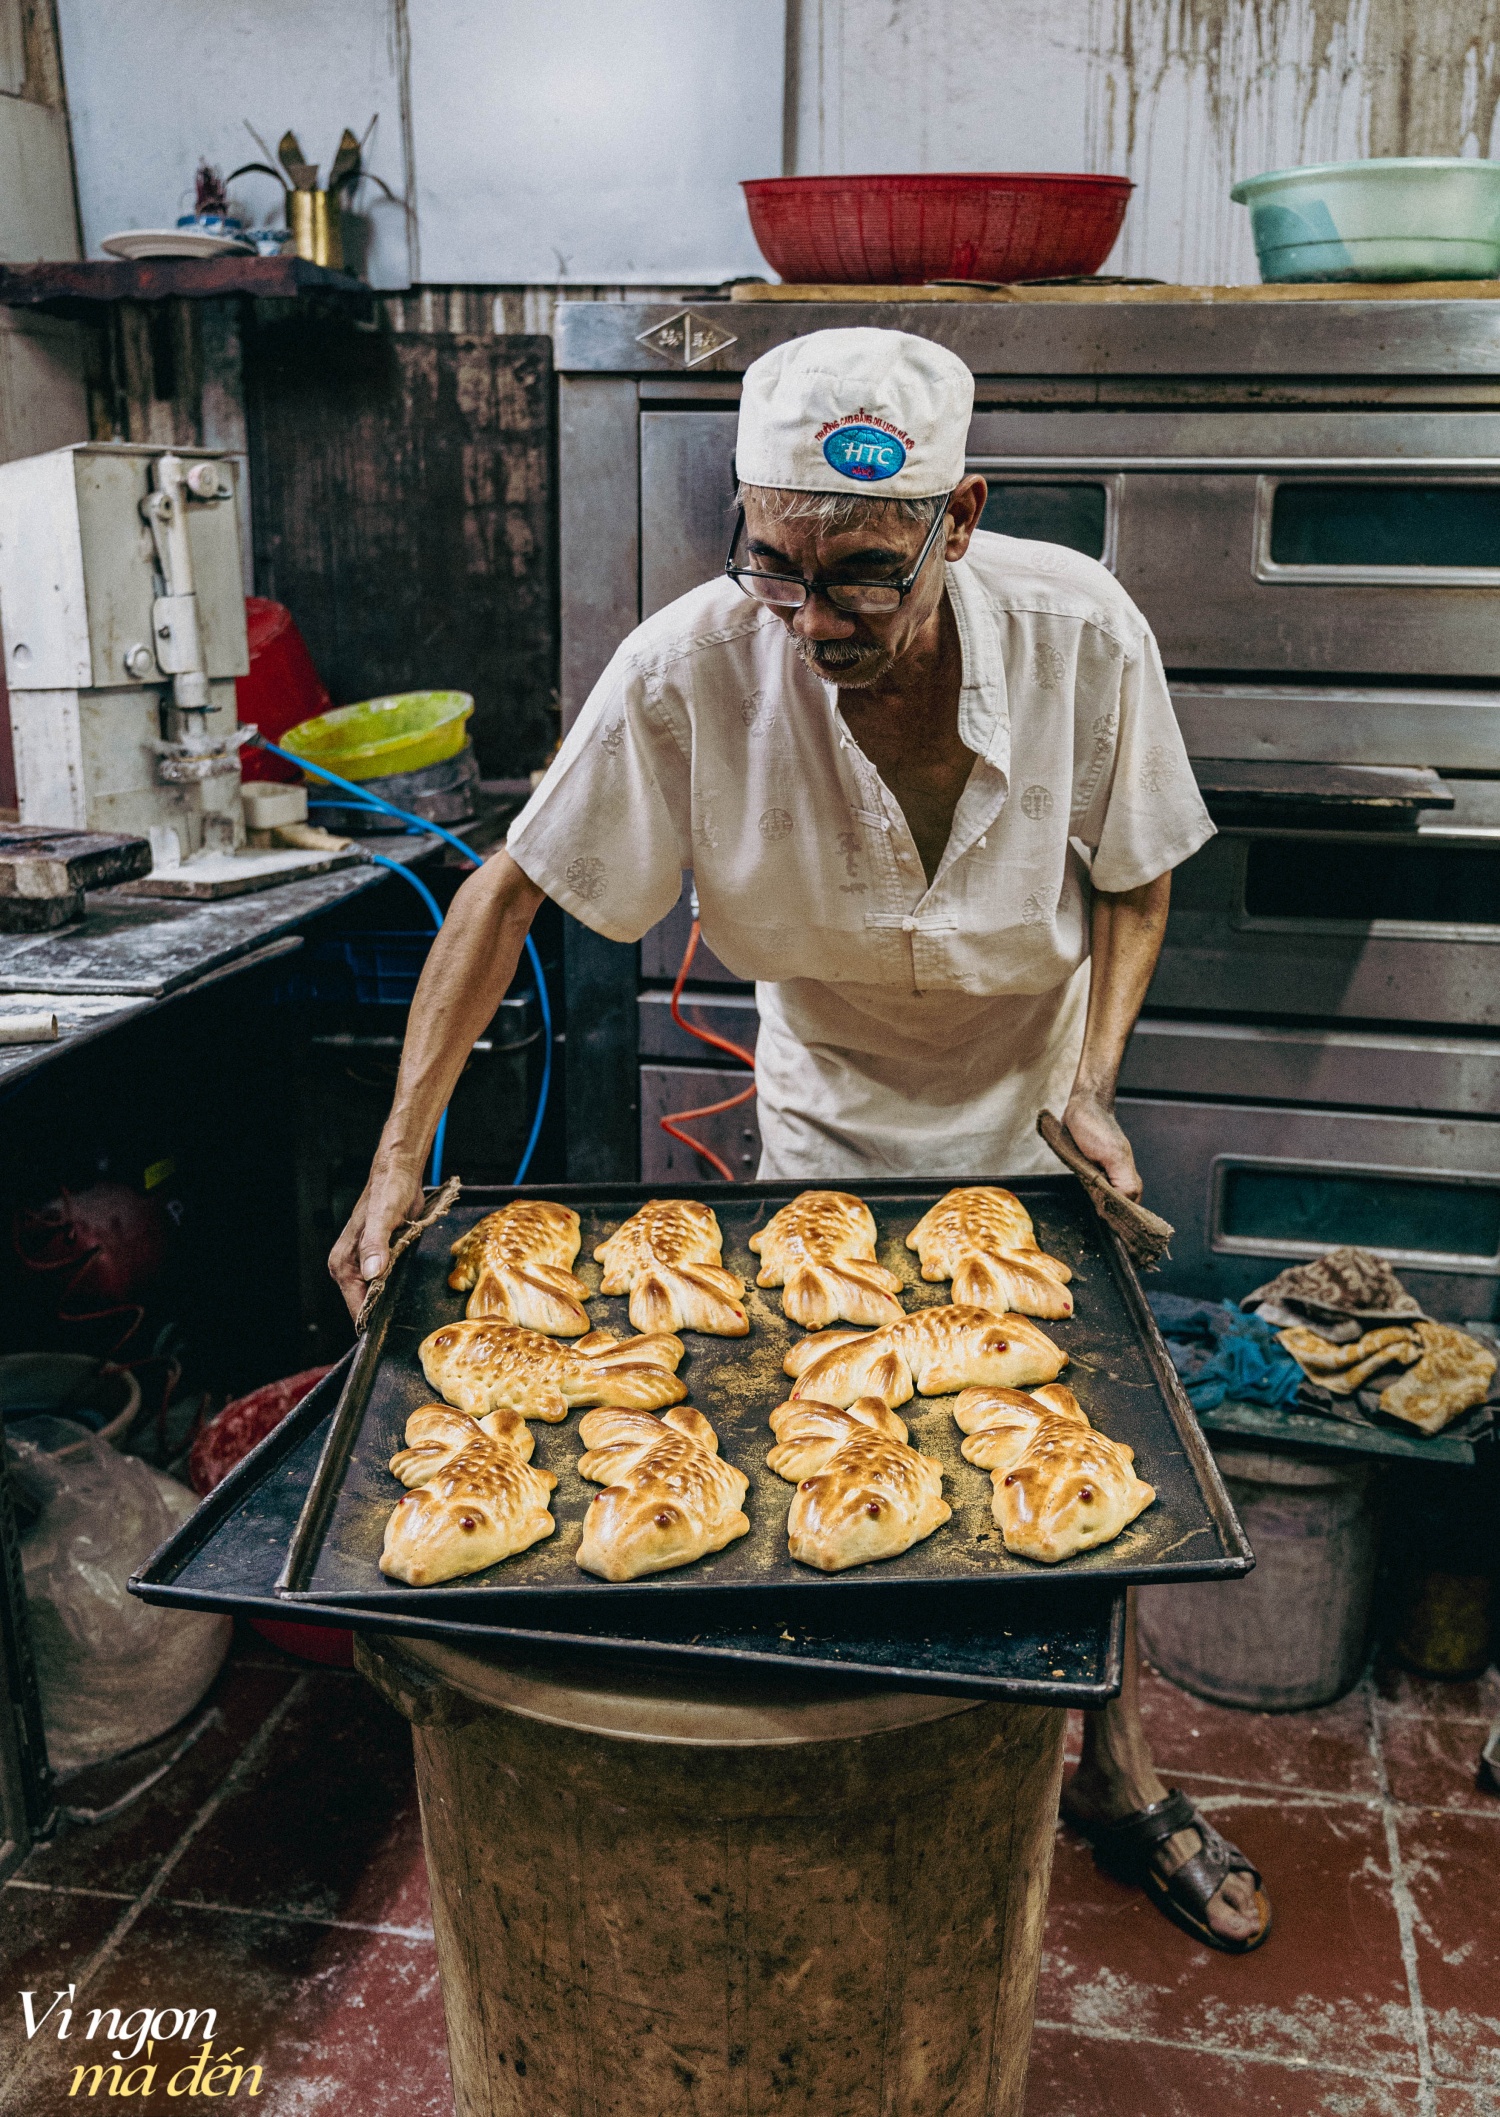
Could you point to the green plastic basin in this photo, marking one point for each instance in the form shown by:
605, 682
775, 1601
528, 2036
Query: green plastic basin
1404, 217
381, 736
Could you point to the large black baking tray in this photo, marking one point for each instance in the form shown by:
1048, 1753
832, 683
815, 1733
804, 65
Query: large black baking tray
1042, 1647
1118, 1367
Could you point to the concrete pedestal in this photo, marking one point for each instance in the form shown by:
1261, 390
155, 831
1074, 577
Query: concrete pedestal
667, 1895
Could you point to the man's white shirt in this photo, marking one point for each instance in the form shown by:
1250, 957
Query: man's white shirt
906, 1027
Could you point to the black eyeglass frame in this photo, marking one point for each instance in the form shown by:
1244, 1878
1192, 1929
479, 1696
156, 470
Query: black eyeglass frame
830, 590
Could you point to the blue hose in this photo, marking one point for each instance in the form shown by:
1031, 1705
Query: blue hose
366, 800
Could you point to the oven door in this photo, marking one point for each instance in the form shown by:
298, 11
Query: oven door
1251, 1189
1269, 544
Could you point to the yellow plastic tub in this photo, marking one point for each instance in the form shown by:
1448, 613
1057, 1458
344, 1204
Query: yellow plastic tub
382, 736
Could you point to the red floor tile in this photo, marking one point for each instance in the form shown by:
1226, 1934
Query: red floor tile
126, 1851
1478, 1700
1434, 1763
1326, 1750
1328, 1987
338, 1779
1466, 2102
1085, 2076
337, 2020
44, 1941
1453, 1869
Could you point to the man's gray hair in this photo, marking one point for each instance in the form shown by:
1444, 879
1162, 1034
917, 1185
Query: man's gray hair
839, 511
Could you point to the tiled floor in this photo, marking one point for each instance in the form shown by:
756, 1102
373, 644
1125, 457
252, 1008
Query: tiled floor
275, 1874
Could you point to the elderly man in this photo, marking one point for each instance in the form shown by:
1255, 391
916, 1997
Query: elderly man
931, 789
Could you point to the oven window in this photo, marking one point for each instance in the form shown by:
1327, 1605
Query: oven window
1379, 1212
1386, 525
1073, 514
1290, 878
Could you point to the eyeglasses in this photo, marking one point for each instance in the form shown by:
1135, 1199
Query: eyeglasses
789, 591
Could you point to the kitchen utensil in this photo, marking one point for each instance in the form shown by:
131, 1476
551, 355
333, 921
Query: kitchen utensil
904, 230
1403, 217
135, 243
1050, 1644
1144, 1233
1119, 1369
381, 736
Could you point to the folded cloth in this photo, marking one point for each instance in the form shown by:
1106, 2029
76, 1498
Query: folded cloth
1339, 1294
1345, 1368
1220, 1353
1453, 1374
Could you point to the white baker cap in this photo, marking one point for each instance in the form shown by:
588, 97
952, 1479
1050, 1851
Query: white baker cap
839, 410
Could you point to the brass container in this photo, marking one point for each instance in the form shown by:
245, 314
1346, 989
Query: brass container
317, 224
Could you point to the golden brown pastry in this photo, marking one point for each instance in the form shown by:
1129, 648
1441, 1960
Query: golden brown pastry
933, 1350
820, 1249
516, 1263
1061, 1486
1453, 1374
982, 1239
475, 1497
1344, 1368
669, 1258
863, 1492
668, 1498
483, 1367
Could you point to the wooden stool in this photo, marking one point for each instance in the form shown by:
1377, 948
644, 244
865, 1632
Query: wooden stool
726, 1894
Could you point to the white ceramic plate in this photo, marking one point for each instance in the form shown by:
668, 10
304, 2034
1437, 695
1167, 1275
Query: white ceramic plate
135, 243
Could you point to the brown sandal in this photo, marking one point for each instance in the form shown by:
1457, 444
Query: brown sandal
1127, 1849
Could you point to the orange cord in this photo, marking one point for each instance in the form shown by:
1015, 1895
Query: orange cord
670, 1124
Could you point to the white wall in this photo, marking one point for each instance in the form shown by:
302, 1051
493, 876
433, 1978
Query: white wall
589, 140
1184, 96
551, 140
153, 85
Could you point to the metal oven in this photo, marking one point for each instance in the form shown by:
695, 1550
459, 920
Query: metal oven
1304, 498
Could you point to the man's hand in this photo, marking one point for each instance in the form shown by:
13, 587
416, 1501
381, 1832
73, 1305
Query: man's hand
1098, 1135
467, 974
363, 1251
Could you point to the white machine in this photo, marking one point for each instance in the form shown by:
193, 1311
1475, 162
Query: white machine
123, 612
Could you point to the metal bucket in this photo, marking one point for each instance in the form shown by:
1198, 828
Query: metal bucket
1293, 1633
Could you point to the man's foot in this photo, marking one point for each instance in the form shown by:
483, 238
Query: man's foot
1236, 1913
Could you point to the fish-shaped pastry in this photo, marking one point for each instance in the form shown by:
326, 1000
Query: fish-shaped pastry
514, 1266
668, 1495
863, 1492
474, 1496
820, 1250
933, 1350
982, 1239
1061, 1486
669, 1258
483, 1367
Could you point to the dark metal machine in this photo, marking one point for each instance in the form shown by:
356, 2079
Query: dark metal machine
1304, 498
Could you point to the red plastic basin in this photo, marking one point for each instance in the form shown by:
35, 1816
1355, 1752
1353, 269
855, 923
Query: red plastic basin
904, 230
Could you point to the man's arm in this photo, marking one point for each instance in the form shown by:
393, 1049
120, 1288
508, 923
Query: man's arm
1126, 937
466, 976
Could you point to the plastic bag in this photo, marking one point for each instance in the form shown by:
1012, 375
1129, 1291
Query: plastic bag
114, 1672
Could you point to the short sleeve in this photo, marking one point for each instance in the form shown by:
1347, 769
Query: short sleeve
1153, 814
605, 835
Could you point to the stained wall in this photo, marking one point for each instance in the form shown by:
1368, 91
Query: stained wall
1185, 96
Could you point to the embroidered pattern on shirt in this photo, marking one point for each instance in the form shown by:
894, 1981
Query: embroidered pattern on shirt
585, 878
1100, 753
1037, 803
1156, 769
1049, 665
613, 738
750, 711
1032, 910
774, 824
